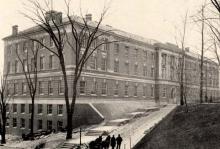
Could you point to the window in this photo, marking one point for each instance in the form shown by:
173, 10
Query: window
103, 64
16, 66
126, 90
152, 91
7, 123
136, 53
116, 66
24, 88
104, 88
17, 48
32, 64
116, 88
49, 125
25, 65
51, 61
59, 109
49, 109
145, 55
9, 67
94, 44
61, 87
94, 87
145, 71
164, 59
126, 51
42, 63
25, 47
42, 41
82, 85
135, 90
39, 108
30, 108
136, 69
163, 73
22, 121
22, 108
50, 87
93, 62
15, 88
116, 47
126, 67
152, 72
7, 108
41, 88
144, 91
106, 45
164, 92
40, 122
59, 125
14, 124
9, 49
14, 107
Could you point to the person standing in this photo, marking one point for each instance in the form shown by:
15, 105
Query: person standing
118, 140
107, 140
113, 142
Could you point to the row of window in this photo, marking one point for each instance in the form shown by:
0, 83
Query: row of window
39, 109
39, 124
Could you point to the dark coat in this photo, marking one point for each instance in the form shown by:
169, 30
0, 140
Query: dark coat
113, 141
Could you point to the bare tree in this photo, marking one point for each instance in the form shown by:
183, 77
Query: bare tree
28, 62
4, 107
83, 40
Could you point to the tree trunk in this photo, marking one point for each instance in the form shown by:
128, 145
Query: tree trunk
3, 132
32, 119
69, 125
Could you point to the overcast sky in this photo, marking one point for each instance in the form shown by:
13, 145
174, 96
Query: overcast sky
154, 19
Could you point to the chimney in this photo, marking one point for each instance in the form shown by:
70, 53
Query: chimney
89, 17
14, 29
55, 16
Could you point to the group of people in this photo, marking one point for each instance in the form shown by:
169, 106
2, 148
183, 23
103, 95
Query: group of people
105, 144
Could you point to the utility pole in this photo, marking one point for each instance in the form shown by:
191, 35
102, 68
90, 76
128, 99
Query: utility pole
80, 141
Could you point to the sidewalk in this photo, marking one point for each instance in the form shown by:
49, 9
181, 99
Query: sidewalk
133, 132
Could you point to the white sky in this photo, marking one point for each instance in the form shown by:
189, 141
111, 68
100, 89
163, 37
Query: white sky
155, 19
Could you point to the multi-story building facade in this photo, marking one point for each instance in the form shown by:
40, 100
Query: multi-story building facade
136, 70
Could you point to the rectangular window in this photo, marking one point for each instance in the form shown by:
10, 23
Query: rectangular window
25, 65
126, 68
59, 125
145, 55
135, 90
164, 92
163, 73
116, 66
22, 121
50, 87
93, 62
152, 91
32, 64
136, 54
116, 47
41, 88
9, 67
40, 124
82, 88
7, 108
16, 89
144, 91
25, 47
49, 109
22, 108
42, 41
152, 72
135, 69
51, 61
17, 48
16, 66
104, 88
145, 71
39, 108
49, 125
59, 109
30, 108
116, 88
14, 124
164, 59
103, 64
94, 87
24, 88
41, 62
51, 42
14, 107
61, 87
126, 90
126, 51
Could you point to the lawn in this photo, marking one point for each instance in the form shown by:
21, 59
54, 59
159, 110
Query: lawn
197, 129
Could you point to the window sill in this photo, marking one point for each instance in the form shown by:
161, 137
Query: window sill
50, 114
93, 95
59, 114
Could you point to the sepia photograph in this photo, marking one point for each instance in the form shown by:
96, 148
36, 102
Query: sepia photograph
109, 74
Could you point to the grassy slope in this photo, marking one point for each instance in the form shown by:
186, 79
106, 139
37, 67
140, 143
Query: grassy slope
197, 129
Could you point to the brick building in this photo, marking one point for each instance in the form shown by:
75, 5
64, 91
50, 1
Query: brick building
133, 73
